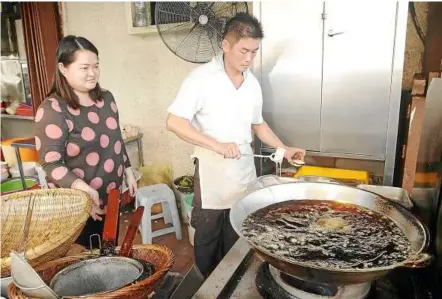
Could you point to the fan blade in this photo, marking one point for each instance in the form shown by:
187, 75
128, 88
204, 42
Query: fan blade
216, 30
182, 24
184, 39
214, 52
198, 44
193, 27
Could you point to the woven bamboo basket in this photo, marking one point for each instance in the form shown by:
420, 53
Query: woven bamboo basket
58, 218
160, 256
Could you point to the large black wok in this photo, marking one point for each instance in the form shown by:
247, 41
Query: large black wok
269, 190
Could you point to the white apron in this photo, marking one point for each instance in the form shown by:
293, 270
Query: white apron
223, 181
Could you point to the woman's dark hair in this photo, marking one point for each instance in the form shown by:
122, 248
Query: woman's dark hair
67, 48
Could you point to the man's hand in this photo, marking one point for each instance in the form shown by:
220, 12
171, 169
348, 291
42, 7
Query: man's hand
293, 153
228, 150
267, 136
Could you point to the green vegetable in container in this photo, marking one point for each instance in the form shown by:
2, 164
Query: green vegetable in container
186, 182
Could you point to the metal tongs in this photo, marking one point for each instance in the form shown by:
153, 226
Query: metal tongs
277, 157
271, 156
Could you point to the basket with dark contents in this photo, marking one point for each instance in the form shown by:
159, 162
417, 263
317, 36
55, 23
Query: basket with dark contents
327, 234
156, 259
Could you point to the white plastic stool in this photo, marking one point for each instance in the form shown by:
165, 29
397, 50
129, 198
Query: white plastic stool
147, 197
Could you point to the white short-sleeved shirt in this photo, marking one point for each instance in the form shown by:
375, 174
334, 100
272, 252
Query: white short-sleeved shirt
209, 99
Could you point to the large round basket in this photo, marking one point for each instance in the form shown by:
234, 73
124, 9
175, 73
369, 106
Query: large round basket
58, 216
160, 256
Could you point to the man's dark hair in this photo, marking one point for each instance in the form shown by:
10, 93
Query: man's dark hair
243, 25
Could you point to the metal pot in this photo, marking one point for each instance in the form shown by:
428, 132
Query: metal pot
269, 190
96, 276
106, 272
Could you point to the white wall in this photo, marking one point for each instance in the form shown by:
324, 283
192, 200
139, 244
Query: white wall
140, 71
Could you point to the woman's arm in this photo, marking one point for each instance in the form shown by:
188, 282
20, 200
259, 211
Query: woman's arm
51, 133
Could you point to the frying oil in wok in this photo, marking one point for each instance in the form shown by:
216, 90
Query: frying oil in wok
327, 234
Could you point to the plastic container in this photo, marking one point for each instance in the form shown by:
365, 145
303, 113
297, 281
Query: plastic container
28, 170
185, 204
354, 177
184, 197
26, 154
15, 185
190, 229
4, 165
4, 174
188, 200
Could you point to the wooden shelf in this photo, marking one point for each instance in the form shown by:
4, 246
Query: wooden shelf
138, 139
133, 138
9, 116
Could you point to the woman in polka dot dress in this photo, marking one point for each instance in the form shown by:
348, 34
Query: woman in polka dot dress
77, 132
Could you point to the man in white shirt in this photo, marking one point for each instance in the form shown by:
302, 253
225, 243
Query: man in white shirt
217, 107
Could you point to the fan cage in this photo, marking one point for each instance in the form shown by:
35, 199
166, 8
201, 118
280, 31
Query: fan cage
193, 30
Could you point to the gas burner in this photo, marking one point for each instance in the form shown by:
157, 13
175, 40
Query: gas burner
274, 284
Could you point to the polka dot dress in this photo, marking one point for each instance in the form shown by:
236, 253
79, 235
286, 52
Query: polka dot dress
82, 143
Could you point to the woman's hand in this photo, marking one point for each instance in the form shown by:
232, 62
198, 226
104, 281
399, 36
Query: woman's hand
131, 181
96, 210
